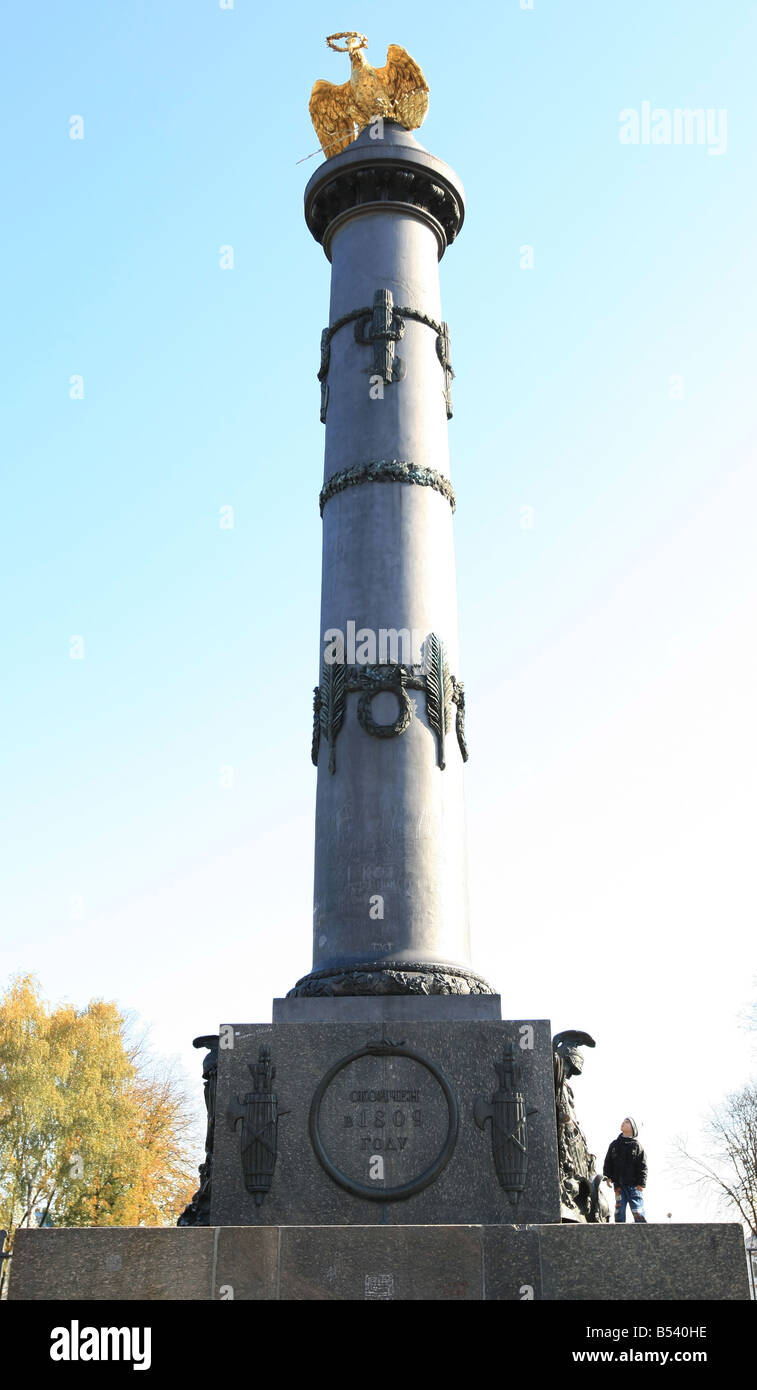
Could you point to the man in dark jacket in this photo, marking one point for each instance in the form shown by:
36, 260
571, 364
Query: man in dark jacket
626, 1168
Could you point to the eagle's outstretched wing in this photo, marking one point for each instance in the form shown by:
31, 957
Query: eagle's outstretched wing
333, 115
406, 86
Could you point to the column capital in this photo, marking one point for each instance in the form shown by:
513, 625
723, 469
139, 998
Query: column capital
392, 173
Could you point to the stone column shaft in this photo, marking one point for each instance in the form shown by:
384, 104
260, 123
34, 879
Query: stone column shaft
390, 903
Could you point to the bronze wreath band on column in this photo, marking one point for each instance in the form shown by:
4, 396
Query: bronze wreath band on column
387, 471
382, 325
441, 688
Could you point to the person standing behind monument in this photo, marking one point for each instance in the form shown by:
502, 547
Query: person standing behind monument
626, 1168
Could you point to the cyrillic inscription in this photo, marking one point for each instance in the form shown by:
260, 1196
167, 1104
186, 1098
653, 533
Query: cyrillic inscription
385, 1103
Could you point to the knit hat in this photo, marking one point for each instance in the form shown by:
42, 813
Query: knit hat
633, 1124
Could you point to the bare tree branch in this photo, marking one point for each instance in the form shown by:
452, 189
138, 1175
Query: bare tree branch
728, 1165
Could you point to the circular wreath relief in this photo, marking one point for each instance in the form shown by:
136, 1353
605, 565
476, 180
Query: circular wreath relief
414, 1183
366, 719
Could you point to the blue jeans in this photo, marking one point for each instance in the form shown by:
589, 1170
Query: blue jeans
633, 1197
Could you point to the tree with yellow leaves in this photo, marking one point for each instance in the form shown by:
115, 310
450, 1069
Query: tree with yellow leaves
90, 1134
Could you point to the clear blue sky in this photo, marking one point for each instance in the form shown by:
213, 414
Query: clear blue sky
608, 653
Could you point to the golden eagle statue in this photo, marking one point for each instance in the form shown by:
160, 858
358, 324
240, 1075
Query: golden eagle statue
398, 92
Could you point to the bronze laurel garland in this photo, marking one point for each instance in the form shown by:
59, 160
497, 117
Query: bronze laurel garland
365, 312
316, 725
368, 723
394, 330
386, 471
441, 689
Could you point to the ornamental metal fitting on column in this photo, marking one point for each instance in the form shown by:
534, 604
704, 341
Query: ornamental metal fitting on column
260, 1114
507, 1112
441, 688
387, 471
380, 330
381, 327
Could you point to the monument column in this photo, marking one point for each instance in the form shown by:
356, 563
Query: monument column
415, 1103
390, 902
345, 1119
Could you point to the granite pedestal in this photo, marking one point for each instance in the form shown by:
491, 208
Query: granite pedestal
387, 1112
505, 1263
440, 1218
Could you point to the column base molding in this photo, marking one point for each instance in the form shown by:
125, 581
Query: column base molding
391, 977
